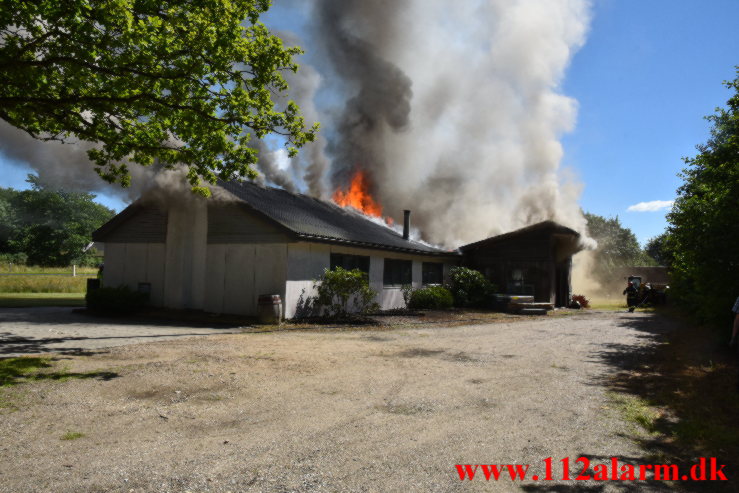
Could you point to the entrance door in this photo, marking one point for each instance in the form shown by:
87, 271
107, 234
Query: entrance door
563, 289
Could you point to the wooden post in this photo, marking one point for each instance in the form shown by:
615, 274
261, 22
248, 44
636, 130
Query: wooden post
74, 270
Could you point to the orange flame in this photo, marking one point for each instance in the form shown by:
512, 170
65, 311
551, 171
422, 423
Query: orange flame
358, 196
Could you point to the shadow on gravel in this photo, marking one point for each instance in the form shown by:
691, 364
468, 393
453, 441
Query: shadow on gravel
153, 317
14, 371
13, 344
678, 392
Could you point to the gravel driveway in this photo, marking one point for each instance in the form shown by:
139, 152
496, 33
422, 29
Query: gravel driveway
364, 410
67, 331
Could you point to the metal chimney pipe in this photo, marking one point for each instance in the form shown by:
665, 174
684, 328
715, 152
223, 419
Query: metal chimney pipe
406, 224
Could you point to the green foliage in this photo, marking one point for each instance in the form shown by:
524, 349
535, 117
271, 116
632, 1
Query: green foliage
704, 230
659, 248
407, 290
116, 301
49, 227
432, 297
342, 291
470, 288
617, 247
178, 81
13, 258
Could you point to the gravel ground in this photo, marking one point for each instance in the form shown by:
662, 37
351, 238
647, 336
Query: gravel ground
66, 331
362, 410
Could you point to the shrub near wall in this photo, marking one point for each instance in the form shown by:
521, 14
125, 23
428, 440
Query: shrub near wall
116, 301
341, 292
470, 288
431, 298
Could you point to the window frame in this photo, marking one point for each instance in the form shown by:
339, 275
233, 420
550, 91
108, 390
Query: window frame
436, 265
356, 262
405, 265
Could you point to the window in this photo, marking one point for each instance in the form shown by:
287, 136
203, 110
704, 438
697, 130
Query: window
397, 272
350, 262
432, 273
521, 280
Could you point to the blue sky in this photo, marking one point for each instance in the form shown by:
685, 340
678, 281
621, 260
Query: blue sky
647, 75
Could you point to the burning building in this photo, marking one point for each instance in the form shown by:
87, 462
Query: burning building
220, 255
534, 261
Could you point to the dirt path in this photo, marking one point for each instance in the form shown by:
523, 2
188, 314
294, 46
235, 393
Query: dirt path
329, 411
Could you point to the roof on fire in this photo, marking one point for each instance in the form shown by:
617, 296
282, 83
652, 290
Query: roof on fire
314, 219
306, 218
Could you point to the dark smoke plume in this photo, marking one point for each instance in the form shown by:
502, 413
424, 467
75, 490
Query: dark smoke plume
453, 110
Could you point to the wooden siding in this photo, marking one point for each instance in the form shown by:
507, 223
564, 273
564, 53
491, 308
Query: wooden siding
132, 263
532, 255
147, 225
237, 274
230, 224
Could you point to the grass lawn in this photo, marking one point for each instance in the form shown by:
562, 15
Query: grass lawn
23, 300
38, 270
609, 304
35, 279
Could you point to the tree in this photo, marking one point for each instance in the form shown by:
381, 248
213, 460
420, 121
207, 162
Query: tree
50, 227
703, 226
179, 81
659, 249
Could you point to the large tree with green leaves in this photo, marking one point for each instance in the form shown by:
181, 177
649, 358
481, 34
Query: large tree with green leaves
704, 222
50, 227
659, 249
181, 81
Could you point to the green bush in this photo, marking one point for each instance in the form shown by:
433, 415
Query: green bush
432, 297
341, 291
116, 301
13, 258
470, 288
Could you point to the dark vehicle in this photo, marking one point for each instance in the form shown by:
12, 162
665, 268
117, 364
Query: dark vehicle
639, 293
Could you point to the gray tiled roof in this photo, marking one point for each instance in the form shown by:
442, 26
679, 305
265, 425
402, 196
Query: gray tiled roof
314, 219
549, 227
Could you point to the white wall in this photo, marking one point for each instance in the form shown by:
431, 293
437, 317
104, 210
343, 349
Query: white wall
238, 274
226, 274
129, 264
307, 261
187, 232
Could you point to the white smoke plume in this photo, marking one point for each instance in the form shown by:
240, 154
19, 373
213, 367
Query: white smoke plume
456, 113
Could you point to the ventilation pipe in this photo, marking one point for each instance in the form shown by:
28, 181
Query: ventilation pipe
406, 224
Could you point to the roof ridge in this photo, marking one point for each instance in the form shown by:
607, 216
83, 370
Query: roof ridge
315, 217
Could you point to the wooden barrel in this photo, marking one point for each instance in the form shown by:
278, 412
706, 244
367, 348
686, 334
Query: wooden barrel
269, 308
